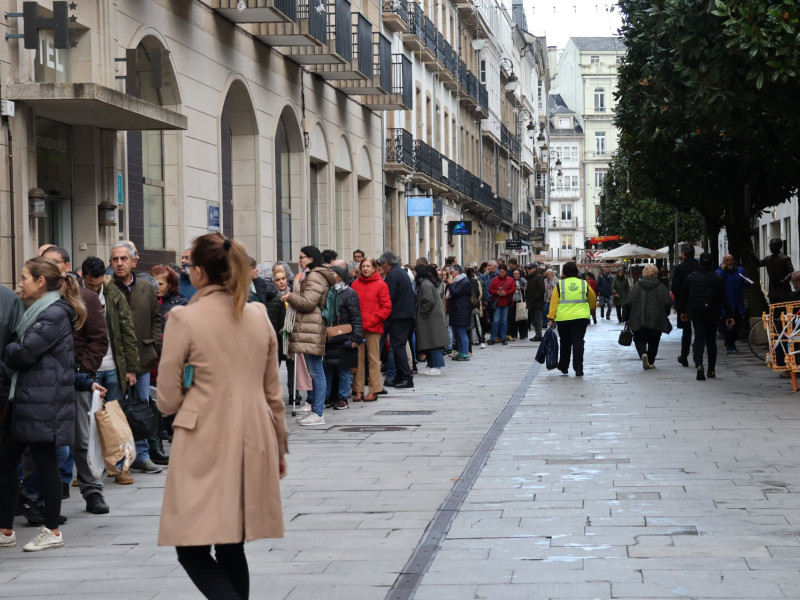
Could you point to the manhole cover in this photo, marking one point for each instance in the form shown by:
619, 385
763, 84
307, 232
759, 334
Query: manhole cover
372, 428
396, 413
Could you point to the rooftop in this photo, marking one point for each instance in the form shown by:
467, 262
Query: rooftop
602, 44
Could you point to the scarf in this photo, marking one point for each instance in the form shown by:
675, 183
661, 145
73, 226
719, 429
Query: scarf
29, 318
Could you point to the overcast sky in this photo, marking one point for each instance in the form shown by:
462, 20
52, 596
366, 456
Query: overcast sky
563, 19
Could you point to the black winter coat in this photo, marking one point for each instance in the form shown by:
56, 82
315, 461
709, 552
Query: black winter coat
44, 397
682, 271
534, 292
265, 291
337, 354
459, 307
404, 304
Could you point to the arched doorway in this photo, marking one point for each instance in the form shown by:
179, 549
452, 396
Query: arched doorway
289, 209
238, 167
343, 195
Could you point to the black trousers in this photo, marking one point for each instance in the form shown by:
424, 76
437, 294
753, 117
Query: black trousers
686, 337
731, 335
646, 342
570, 334
399, 331
224, 576
705, 336
44, 457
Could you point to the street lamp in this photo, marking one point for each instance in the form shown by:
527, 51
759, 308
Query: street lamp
523, 114
559, 172
513, 81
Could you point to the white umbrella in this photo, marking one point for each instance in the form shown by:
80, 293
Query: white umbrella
667, 249
632, 251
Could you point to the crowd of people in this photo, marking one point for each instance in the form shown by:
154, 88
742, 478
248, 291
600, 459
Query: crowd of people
220, 325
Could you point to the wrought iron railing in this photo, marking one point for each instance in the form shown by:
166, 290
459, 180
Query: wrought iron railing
399, 7
401, 79
362, 41
400, 147
524, 219
383, 62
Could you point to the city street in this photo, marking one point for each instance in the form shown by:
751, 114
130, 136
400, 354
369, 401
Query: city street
498, 480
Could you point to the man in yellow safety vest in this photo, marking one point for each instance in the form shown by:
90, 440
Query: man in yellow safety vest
571, 307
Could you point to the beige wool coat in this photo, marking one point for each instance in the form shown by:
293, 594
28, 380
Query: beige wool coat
308, 334
223, 483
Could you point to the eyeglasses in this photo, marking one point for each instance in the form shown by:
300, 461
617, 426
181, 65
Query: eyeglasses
302, 256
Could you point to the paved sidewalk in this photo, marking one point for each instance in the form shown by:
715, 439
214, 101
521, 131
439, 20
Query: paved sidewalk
622, 484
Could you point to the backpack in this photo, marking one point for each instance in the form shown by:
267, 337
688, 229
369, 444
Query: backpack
701, 294
330, 312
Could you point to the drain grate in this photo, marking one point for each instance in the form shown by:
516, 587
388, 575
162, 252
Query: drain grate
372, 428
397, 413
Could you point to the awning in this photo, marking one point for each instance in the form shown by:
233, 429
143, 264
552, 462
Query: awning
93, 105
600, 239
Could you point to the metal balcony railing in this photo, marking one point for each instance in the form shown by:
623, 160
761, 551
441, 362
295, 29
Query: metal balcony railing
383, 63
399, 7
400, 147
524, 219
362, 42
340, 28
401, 79
317, 19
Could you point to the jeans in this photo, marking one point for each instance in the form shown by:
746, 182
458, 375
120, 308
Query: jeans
345, 381
545, 310
605, 302
143, 393
435, 358
571, 335
225, 575
110, 381
462, 340
317, 372
500, 323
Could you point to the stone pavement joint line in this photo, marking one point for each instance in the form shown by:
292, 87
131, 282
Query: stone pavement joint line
414, 570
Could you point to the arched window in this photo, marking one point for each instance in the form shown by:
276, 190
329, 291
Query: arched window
599, 100
283, 194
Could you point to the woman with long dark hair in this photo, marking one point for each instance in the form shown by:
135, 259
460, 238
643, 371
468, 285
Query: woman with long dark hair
41, 411
219, 376
308, 332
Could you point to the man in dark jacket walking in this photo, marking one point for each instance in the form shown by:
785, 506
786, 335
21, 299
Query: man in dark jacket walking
605, 282
400, 323
682, 271
703, 297
148, 324
534, 298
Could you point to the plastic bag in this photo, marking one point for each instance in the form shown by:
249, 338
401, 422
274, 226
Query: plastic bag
94, 454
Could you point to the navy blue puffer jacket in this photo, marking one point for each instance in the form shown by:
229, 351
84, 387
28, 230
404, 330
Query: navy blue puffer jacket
44, 397
460, 304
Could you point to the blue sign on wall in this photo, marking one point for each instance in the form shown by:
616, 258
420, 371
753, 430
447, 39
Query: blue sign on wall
419, 206
120, 193
213, 217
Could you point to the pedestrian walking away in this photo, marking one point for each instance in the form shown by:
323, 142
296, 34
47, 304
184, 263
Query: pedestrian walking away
571, 308
687, 266
605, 292
702, 300
621, 288
228, 450
646, 312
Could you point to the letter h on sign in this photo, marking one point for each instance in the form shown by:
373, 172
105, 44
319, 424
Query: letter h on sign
32, 23
133, 67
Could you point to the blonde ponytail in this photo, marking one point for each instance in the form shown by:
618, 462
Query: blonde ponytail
70, 292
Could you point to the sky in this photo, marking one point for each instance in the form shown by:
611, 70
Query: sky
563, 19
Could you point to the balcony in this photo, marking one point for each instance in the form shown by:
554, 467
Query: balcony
380, 81
339, 47
559, 224
395, 15
399, 152
257, 11
361, 67
508, 141
398, 78
492, 128
421, 35
524, 220
308, 28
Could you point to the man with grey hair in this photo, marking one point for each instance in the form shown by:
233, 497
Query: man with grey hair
400, 323
147, 322
186, 288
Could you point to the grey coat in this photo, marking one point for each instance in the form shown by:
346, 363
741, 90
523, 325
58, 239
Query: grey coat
649, 305
431, 324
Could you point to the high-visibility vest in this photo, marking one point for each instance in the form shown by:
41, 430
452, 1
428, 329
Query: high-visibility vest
573, 300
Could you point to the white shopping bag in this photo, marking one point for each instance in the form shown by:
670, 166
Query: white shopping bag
94, 455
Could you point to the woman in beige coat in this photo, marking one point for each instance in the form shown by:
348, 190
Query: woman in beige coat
227, 454
308, 333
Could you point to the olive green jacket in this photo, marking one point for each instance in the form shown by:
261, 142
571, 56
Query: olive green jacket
121, 332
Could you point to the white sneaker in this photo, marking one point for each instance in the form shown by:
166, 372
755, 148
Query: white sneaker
44, 541
306, 408
312, 419
483, 345
430, 371
8, 541
645, 362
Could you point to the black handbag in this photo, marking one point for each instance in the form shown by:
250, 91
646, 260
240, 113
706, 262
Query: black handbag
626, 336
140, 416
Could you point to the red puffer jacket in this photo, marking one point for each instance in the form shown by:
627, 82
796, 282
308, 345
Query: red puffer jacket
376, 305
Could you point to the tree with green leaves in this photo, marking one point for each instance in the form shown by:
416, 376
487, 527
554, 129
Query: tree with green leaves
706, 106
642, 220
